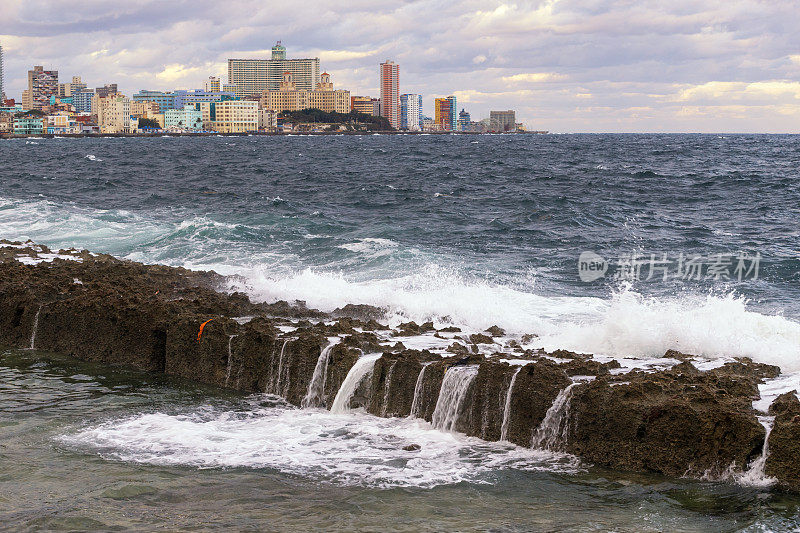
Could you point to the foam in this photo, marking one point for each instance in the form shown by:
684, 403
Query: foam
345, 449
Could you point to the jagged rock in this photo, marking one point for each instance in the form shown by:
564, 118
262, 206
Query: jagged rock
412, 447
659, 423
496, 331
479, 338
535, 388
366, 313
784, 441
451, 329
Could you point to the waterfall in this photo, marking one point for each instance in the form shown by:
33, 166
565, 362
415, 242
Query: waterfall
552, 432
755, 476
387, 384
35, 327
507, 408
455, 385
362, 368
316, 387
230, 359
275, 382
418, 392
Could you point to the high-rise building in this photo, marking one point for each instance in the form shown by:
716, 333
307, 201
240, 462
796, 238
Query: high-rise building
445, 113
66, 90
212, 85
82, 100
2, 73
390, 92
251, 77
42, 84
410, 112
464, 119
113, 113
500, 121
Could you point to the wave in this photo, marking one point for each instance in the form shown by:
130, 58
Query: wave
416, 286
346, 449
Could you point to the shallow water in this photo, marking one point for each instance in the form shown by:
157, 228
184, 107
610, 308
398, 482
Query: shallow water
89, 447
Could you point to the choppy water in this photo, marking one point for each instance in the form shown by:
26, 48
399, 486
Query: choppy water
470, 230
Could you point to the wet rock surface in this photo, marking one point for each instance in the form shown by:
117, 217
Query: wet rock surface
676, 421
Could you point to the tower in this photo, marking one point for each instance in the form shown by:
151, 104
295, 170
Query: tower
2, 84
278, 51
390, 92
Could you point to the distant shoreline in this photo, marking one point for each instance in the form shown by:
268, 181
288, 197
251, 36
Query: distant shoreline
253, 134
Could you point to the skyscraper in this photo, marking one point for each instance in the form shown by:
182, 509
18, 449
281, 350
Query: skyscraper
390, 92
445, 113
2, 84
464, 119
253, 76
42, 84
410, 112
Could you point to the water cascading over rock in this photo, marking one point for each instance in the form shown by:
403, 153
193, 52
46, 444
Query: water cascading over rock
357, 373
316, 387
449, 406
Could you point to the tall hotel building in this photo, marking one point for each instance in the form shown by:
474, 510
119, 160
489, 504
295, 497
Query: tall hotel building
390, 92
410, 112
2, 86
445, 113
251, 77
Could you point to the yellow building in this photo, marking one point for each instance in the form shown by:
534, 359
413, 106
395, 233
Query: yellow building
236, 116
324, 97
144, 109
113, 113
365, 104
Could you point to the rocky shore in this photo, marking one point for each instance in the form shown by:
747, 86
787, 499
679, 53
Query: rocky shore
677, 420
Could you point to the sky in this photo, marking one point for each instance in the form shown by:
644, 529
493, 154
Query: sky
562, 65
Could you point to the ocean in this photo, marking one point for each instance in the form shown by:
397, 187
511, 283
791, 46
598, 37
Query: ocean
623, 246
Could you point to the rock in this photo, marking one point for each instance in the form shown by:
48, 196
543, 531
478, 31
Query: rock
412, 447
784, 441
479, 338
451, 329
496, 331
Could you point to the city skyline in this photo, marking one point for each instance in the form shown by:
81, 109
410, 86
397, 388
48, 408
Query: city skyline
563, 65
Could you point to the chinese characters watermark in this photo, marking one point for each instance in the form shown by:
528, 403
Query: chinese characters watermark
663, 266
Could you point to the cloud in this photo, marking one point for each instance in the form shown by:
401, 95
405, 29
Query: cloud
564, 65
534, 77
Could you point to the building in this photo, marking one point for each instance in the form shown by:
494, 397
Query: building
464, 120
66, 90
106, 90
267, 120
2, 78
236, 116
501, 121
82, 100
445, 113
410, 112
289, 98
366, 105
165, 100
188, 118
113, 113
144, 109
29, 125
251, 77
212, 85
390, 92
185, 97
42, 84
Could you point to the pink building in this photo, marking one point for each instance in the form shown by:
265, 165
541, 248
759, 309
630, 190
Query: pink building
390, 92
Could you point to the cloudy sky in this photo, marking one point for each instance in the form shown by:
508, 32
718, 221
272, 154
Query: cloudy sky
563, 65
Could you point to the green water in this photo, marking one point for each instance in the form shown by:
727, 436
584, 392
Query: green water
50, 482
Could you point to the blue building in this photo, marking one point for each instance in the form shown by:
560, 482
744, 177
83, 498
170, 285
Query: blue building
82, 100
165, 100
28, 125
186, 97
411, 112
